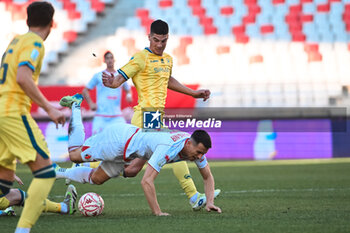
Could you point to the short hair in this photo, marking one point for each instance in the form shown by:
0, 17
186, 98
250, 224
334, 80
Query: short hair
201, 136
39, 14
159, 27
106, 53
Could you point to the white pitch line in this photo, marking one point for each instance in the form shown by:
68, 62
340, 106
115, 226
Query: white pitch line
227, 192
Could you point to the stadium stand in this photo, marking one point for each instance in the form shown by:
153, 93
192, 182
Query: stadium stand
250, 53
72, 18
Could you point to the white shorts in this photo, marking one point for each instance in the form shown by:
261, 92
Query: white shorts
99, 123
112, 168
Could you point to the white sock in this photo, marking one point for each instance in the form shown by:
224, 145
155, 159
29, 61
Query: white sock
193, 199
76, 133
79, 174
22, 230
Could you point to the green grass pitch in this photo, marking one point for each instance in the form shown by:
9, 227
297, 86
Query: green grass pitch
257, 196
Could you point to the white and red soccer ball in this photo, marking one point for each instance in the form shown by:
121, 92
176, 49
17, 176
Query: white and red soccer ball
91, 204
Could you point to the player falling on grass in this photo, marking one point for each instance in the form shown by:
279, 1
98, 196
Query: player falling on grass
121, 143
150, 71
20, 137
108, 100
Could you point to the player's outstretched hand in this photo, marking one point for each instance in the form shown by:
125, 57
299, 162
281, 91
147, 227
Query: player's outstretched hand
202, 93
210, 207
163, 214
107, 79
56, 116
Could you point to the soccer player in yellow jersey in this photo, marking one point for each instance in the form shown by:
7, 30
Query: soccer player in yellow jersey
150, 71
20, 136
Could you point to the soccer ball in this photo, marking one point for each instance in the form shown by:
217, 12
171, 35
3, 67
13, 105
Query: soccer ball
91, 204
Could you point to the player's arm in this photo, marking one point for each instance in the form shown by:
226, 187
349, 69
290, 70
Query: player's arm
149, 189
113, 82
25, 81
88, 99
209, 188
175, 85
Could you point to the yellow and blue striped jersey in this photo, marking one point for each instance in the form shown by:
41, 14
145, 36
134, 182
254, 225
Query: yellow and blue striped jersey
24, 50
150, 74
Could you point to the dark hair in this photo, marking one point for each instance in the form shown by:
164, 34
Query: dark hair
106, 53
39, 14
159, 27
201, 136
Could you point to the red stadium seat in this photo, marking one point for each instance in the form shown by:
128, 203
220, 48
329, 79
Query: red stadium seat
210, 29
226, 10
73, 14
70, 36
249, 19
198, 11
194, 3
142, 13
256, 59
314, 56
165, 3
323, 8
306, 18
264, 29
222, 49
238, 29
295, 8
311, 48
275, 2
298, 37
242, 38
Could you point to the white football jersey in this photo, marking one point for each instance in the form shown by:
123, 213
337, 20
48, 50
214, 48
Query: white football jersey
108, 100
125, 142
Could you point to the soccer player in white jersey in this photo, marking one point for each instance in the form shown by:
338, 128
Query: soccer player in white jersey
121, 143
108, 100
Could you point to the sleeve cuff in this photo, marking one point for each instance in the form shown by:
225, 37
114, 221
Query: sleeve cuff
123, 74
27, 63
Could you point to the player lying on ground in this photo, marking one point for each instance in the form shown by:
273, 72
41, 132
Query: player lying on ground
121, 143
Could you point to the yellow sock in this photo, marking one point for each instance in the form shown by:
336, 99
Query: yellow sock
94, 164
4, 203
182, 173
52, 207
34, 205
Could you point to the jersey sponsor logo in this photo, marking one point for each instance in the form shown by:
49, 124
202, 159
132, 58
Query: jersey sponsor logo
87, 156
153, 61
34, 55
161, 69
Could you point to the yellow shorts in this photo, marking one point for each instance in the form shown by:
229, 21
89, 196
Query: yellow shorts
20, 138
137, 119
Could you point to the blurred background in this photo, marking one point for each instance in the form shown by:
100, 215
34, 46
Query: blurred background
251, 54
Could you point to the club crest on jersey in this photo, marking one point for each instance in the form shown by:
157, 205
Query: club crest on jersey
152, 120
87, 156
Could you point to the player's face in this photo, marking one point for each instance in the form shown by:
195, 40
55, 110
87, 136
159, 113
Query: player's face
195, 151
109, 60
158, 43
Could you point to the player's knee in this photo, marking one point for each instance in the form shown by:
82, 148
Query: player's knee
75, 156
130, 172
45, 172
97, 180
